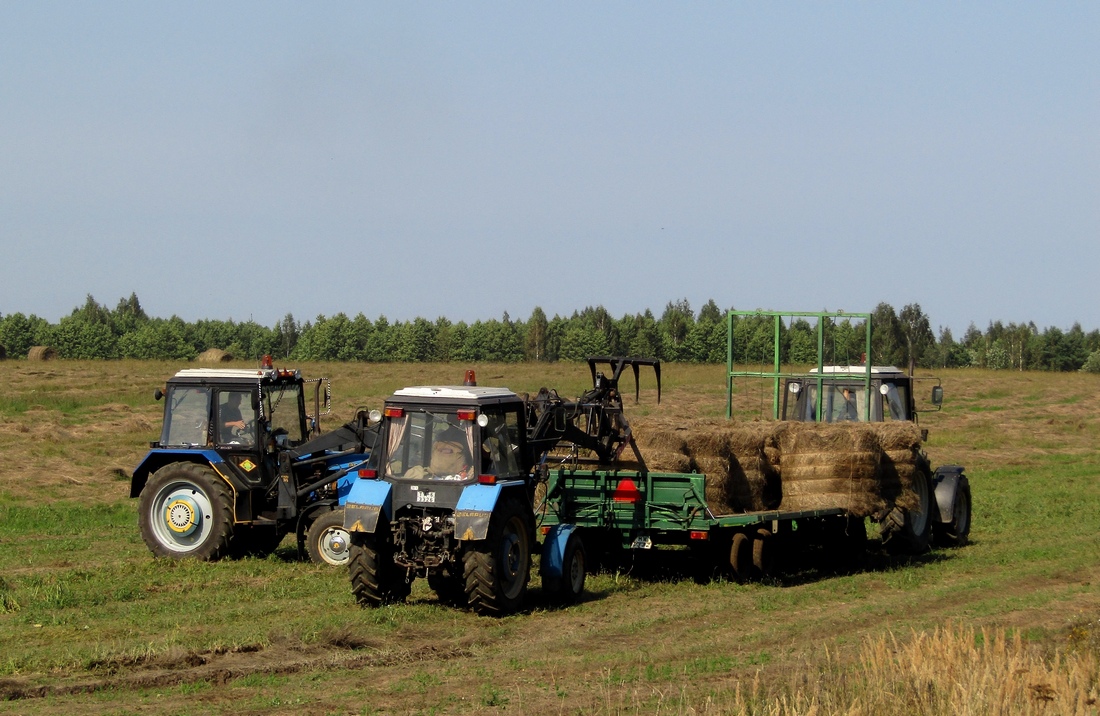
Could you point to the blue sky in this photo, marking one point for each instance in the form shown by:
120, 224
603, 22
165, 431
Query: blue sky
249, 160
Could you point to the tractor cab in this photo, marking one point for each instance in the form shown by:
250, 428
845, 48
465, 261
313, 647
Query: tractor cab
852, 393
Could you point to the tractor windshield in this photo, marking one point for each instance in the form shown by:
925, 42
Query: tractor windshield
425, 445
186, 417
282, 409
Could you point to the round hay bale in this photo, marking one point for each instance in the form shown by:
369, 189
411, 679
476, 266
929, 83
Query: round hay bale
214, 355
41, 353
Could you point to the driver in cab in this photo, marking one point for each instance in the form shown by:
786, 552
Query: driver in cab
450, 457
234, 426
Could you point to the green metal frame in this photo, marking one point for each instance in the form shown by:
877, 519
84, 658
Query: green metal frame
777, 374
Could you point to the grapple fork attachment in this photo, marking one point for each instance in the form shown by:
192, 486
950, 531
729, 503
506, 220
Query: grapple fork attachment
618, 364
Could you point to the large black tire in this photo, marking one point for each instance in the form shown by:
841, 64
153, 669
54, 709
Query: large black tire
186, 510
496, 569
956, 533
763, 544
375, 577
914, 534
569, 587
741, 559
327, 542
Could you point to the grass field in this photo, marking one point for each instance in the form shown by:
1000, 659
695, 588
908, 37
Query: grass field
91, 623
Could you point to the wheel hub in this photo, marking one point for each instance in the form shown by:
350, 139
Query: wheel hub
337, 542
182, 516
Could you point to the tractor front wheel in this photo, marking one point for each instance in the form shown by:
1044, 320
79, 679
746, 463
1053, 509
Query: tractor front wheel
496, 570
185, 510
327, 542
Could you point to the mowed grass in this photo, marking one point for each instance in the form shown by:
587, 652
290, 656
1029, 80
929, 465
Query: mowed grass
91, 623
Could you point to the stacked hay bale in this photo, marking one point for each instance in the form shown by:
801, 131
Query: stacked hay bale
214, 355
41, 353
863, 468
741, 460
829, 465
901, 463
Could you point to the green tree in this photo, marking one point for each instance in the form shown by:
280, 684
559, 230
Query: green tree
19, 333
919, 341
674, 325
80, 338
534, 347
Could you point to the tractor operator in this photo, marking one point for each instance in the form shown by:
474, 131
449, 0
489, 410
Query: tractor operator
450, 457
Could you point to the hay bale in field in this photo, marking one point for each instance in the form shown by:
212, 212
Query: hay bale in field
41, 353
214, 355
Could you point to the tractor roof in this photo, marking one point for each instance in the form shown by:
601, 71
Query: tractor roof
231, 375
857, 371
455, 392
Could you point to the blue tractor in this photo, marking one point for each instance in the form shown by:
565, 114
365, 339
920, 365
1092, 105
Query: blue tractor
451, 496
241, 463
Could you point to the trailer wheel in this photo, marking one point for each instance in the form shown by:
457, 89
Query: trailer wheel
186, 510
568, 588
741, 557
375, 577
956, 533
915, 531
327, 542
496, 570
762, 544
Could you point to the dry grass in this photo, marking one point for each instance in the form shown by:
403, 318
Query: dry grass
948, 671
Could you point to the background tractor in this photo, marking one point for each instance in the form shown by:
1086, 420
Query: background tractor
241, 462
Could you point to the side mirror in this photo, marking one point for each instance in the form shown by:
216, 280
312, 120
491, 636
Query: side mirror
937, 395
158, 394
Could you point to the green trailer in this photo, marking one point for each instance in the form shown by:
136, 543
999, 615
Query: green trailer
615, 511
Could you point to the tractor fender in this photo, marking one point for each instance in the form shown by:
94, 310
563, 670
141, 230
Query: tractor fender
366, 500
947, 480
156, 459
553, 550
475, 507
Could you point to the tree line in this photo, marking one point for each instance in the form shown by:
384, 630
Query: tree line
905, 338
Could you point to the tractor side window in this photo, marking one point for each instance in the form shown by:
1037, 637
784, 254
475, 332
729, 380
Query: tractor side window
187, 417
236, 421
282, 411
500, 444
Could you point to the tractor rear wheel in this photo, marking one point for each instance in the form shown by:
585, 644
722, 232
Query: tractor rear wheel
186, 510
915, 532
496, 569
956, 533
327, 542
375, 577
